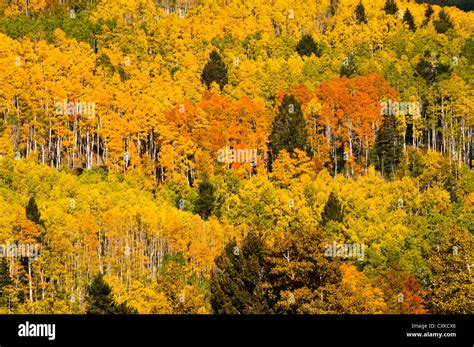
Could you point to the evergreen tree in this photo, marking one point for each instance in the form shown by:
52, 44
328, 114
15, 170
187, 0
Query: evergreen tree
333, 211
388, 146
431, 70
32, 211
306, 47
206, 201
99, 297
289, 127
428, 13
443, 23
215, 71
237, 282
100, 301
390, 7
361, 17
409, 20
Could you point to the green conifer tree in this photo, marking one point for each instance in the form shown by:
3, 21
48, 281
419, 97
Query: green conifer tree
215, 71
390, 7
100, 301
289, 127
409, 20
361, 17
206, 201
428, 13
388, 146
237, 282
306, 47
32, 211
443, 23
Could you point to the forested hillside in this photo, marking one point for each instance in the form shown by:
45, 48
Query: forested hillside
223, 156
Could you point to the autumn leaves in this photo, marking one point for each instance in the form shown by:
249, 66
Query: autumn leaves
177, 139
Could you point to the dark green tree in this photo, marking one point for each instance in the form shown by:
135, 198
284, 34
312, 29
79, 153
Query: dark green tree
409, 20
388, 146
206, 201
237, 282
431, 70
361, 17
99, 299
428, 13
306, 47
289, 127
333, 211
32, 211
390, 7
215, 71
443, 23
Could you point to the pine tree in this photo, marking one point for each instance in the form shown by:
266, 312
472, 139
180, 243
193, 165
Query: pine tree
206, 201
361, 17
32, 211
237, 281
333, 211
289, 127
215, 71
444, 22
432, 71
388, 146
100, 297
100, 301
390, 7
428, 13
409, 20
306, 47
